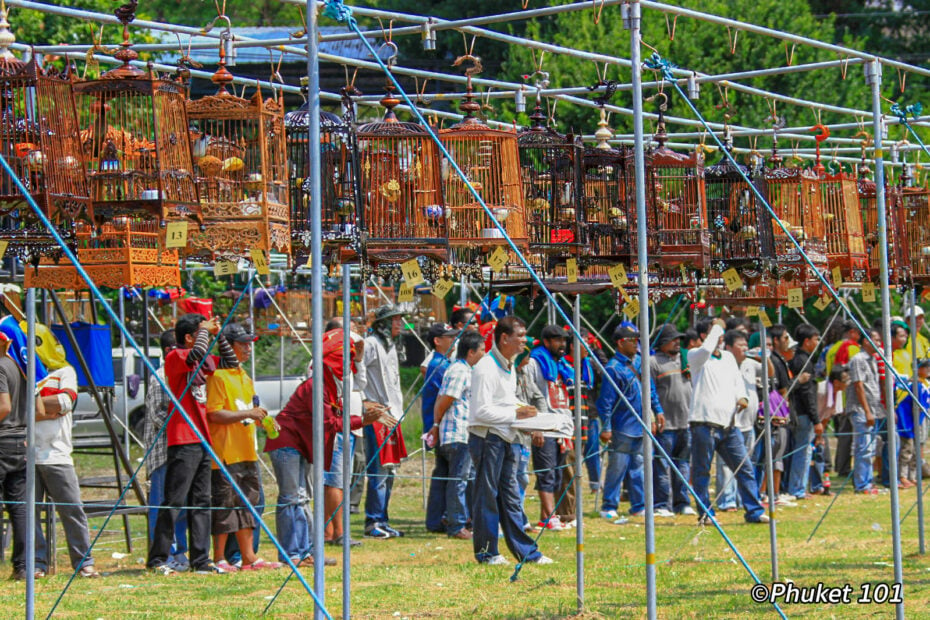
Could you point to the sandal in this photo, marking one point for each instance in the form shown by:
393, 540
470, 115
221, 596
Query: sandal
260, 564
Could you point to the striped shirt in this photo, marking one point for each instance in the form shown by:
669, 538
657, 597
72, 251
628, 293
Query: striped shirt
455, 384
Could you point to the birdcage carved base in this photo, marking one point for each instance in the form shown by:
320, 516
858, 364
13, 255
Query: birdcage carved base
685, 247
245, 209
55, 277
238, 236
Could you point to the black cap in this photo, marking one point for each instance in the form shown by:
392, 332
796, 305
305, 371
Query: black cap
665, 335
624, 331
384, 313
552, 331
438, 330
237, 333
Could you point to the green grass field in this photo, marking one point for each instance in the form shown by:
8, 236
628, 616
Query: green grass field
430, 576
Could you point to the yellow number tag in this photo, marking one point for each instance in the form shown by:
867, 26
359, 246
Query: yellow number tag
684, 272
824, 301
260, 261
442, 287
617, 275
498, 259
752, 311
176, 235
837, 276
868, 293
225, 268
405, 293
795, 298
764, 318
631, 309
3, 247
571, 270
411, 272
732, 279
626, 296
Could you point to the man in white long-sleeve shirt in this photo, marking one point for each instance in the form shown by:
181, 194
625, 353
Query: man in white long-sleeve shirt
494, 446
719, 395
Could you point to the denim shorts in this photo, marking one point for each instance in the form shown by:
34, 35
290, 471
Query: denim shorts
332, 477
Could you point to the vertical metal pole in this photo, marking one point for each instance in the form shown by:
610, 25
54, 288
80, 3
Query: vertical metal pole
918, 434
346, 436
146, 342
31, 453
124, 398
281, 367
635, 17
252, 321
579, 463
767, 438
873, 77
316, 290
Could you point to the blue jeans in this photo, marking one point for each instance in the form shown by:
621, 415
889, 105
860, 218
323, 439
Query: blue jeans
448, 489
705, 441
380, 482
670, 491
156, 495
291, 524
803, 435
726, 483
496, 500
625, 457
592, 453
863, 451
332, 477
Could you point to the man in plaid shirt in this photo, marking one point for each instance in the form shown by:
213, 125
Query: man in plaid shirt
450, 432
157, 404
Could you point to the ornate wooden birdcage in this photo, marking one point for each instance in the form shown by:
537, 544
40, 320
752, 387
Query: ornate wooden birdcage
38, 138
842, 222
676, 187
898, 260
134, 133
610, 226
915, 212
491, 161
401, 190
125, 251
550, 165
740, 226
242, 177
338, 176
795, 196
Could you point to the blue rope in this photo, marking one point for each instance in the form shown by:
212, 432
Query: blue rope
175, 401
915, 110
532, 272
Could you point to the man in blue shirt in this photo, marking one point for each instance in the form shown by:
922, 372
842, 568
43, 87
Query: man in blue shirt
440, 336
621, 423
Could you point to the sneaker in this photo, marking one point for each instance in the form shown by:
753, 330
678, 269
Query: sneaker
496, 560
376, 531
663, 512
179, 562
165, 570
543, 559
20, 574
529, 527
390, 530
620, 521
462, 534
209, 569
609, 514
307, 562
226, 566
88, 572
554, 524
687, 511
641, 513
570, 524
786, 501
763, 518
337, 542
261, 564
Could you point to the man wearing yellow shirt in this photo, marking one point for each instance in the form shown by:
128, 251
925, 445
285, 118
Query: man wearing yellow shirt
901, 354
923, 345
232, 417
845, 348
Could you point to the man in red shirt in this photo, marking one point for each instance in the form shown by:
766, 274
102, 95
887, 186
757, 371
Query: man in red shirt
187, 477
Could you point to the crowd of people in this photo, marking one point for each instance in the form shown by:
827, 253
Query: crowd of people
496, 407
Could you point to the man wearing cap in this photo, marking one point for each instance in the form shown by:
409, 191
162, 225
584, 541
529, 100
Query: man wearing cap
923, 345
551, 374
382, 370
494, 447
440, 337
719, 396
674, 390
620, 409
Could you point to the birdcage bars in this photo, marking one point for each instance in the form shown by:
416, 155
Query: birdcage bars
610, 205
491, 161
551, 176
401, 189
238, 147
339, 178
38, 138
915, 212
134, 134
740, 227
898, 260
845, 241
